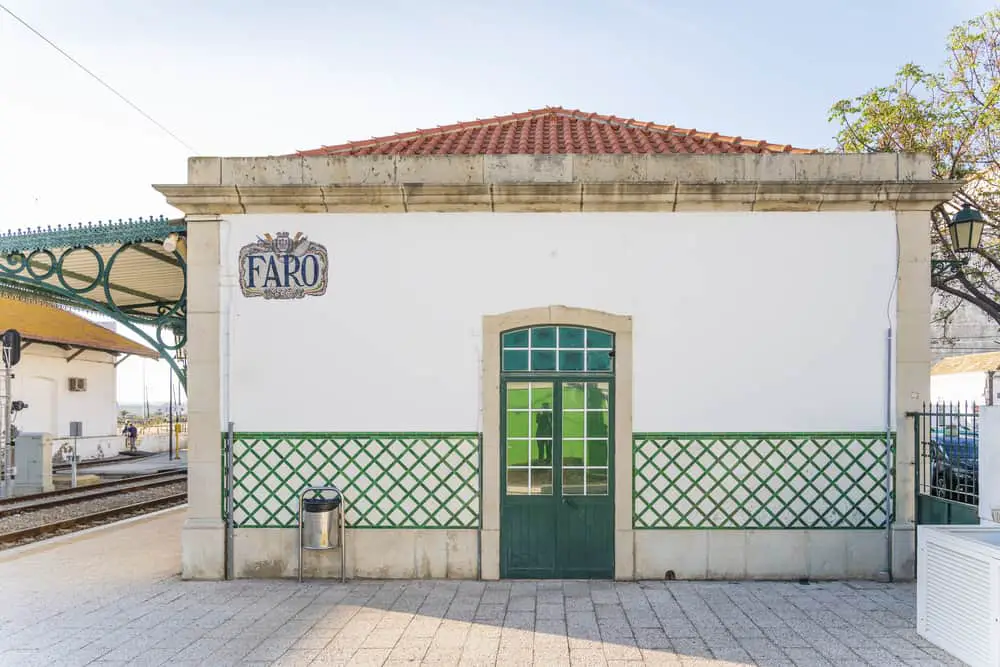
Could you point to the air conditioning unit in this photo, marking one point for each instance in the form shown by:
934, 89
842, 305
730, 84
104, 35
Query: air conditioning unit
958, 591
78, 384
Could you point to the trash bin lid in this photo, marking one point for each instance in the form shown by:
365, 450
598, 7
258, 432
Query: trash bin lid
321, 504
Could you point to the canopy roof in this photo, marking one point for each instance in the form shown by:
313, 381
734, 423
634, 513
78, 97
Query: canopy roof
79, 260
43, 323
126, 271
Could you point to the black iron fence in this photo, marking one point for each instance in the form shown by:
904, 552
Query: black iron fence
947, 436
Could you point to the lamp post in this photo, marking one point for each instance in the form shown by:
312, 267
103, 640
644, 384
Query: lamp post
966, 231
181, 356
170, 421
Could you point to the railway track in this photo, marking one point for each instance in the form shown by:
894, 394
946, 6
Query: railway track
37, 501
74, 524
39, 516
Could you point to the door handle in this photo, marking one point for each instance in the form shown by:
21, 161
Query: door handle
568, 502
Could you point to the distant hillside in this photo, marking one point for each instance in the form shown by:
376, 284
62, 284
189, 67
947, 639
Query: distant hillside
138, 410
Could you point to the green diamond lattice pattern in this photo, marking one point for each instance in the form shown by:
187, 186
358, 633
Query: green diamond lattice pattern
763, 480
390, 480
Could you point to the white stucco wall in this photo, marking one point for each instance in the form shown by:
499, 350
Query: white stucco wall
959, 387
742, 321
41, 379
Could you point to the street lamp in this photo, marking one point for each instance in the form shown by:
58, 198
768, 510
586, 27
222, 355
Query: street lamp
170, 243
966, 228
966, 231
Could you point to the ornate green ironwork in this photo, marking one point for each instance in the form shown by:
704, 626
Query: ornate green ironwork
30, 259
759, 480
140, 230
390, 480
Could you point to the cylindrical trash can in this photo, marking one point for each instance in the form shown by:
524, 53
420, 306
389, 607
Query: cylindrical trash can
320, 523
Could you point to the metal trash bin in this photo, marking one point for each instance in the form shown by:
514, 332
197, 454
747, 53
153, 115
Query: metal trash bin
321, 523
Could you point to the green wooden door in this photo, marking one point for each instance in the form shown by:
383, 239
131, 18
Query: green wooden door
557, 503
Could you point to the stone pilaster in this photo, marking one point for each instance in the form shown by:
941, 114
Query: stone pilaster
203, 536
912, 364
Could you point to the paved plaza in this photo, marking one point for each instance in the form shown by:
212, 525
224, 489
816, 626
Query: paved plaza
113, 597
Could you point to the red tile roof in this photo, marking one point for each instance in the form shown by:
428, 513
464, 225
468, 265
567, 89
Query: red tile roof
553, 130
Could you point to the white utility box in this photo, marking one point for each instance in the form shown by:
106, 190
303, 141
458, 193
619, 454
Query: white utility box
33, 455
958, 591
989, 465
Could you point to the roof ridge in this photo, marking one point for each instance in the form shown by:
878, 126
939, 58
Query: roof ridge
573, 114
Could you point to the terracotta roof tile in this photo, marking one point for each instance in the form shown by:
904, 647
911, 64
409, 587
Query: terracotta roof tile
50, 324
553, 130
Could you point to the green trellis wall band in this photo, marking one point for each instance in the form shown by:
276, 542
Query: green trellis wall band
759, 480
681, 480
391, 480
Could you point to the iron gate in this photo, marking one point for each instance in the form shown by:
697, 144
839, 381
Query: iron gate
947, 463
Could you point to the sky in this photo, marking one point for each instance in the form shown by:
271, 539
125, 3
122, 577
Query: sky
258, 77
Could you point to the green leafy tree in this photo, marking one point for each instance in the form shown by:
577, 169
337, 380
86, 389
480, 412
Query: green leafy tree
953, 115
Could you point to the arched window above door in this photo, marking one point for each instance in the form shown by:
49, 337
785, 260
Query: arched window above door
558, 349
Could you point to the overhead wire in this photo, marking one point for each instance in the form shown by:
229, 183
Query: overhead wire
99, 80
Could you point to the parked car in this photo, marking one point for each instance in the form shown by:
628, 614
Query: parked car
954, 453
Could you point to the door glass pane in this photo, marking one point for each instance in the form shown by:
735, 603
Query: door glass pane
572, 452
599, 339
517, 481
573, 482
517, 453
543, 360
528, 435
597, 395
557, 349
516, 338
541, 481
585, 438
573, 396
571, 360
598, 361
597, 424
572, 337
518, 424
543, 337
541, 395
573, 424
597, 481
515, 360
518, 396
541, 452
597, 453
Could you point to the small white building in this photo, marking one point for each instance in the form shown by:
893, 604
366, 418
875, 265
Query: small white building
970, 378
558, 344
67, 376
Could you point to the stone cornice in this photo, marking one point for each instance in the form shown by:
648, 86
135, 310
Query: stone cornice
561, 197
388, 183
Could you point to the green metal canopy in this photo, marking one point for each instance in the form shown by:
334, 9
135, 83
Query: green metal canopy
131, 271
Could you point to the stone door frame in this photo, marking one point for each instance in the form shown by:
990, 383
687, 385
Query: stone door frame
493, 327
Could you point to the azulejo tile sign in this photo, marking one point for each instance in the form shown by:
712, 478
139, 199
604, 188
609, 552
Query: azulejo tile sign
283, 267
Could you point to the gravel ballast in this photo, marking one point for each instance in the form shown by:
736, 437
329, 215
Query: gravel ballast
31, 518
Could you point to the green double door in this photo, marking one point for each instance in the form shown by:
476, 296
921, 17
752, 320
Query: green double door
557, 497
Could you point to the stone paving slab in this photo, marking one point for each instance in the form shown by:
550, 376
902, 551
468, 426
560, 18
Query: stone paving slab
113, 597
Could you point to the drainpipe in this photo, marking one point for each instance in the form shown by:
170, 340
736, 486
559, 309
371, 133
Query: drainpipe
228, 281
887, 574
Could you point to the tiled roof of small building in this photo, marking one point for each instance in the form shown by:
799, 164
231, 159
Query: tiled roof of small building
554, 131
43, 323
967, 363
